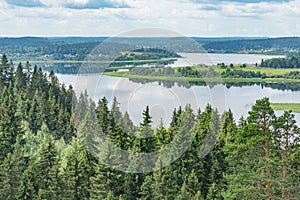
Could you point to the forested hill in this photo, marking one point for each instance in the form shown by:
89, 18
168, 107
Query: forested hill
77, 48
35, 41
27, 41
285, 45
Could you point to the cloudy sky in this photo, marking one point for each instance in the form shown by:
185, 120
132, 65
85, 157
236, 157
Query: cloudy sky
187, 17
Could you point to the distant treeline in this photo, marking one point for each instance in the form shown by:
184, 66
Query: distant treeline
77, 48
147, 54
285, 45
292, 62
58, 51
205, 72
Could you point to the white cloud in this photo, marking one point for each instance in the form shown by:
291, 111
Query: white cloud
211, 27
184, 16
64, 2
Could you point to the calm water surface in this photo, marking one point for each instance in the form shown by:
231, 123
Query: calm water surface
134, 97
215, 58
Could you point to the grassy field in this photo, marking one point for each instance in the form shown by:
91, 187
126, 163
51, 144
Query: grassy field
268, 71
209, 80
217, 68
295, 107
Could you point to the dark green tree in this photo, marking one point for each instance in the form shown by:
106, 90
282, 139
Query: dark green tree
9, 122
214, 193
251, 155
8, 181
11, 171
147, 119
115, 111
288, 142
77, 173
36, 114
20, 78
103, 115
46, 171
146, 191
27, 189
4, 68
184, 193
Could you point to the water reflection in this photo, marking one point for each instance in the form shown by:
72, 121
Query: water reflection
292, 86
163, 96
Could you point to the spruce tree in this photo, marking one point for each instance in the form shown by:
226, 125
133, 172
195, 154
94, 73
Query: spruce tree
46, 171
11, 171
184, 193
20, 78
27, 189
8, 180
4, 68
146, 191
10, 72
77, 173
9, 122
106, 179
115, 111
192, 183
198, 196
36, 115
214, 193
103, 115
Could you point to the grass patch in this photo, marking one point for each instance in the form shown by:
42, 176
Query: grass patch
208, 80
249, 68
116, 74
295, 107
272, 71
268, 71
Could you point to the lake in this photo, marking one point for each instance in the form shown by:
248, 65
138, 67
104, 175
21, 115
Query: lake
163, 96
135, 96
187, 59
215, 58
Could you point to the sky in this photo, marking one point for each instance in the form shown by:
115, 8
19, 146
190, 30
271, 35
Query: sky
202, 18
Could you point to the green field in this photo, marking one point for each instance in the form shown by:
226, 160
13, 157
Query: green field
268, 71
295, 107
209, 80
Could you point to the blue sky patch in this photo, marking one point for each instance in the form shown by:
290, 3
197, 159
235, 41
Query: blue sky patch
25, 3
240, 1
96, 4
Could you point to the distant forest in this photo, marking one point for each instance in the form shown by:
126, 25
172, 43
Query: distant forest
290, 62
284, 46
78, 48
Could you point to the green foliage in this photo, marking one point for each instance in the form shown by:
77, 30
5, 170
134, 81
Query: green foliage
9, 180
46, 170
77, 173
184, 193
103, 115
53, 146
292, 62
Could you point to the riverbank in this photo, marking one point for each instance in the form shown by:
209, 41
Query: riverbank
192, 79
